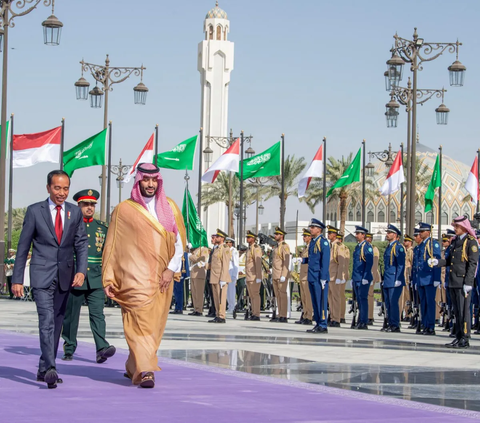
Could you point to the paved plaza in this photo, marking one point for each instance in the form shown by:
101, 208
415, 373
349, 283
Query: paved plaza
248, 371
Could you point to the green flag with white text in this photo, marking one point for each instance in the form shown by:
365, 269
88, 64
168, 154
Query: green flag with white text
351, 175
90, 152
180, 158
435, 182
267, 163
196, 235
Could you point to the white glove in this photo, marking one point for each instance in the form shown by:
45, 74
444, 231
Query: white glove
435, 284
338, 282
222, 284
365, 282
200, 264
397, 284
432, 262
282, 279
258, 281
466, 289
323, 284
269, 271
343, 282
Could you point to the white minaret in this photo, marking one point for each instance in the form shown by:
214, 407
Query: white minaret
215, 63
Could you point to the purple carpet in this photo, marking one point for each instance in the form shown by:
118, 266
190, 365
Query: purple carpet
185, 392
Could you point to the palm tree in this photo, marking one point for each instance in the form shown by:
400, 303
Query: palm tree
335, 170
293, 168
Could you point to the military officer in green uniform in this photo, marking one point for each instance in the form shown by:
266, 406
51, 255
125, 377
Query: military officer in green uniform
92, 289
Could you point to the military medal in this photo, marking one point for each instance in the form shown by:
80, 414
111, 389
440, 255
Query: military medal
68, 215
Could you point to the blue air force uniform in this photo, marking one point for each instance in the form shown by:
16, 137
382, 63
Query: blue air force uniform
393, 279
428, 279
318, 277
362, 276
179, 287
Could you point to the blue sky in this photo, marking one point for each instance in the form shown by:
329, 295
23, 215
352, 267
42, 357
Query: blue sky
309, 69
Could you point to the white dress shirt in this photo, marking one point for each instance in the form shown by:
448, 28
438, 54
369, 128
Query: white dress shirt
53, 212
175, 264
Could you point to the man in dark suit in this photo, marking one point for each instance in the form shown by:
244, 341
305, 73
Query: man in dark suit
57, 232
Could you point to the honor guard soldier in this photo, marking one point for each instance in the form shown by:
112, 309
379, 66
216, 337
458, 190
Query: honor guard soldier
407, 300
414, 281
336, 270
345, 277
318, 275
463, 265
362, 274
92, 289
428, 277
446, 240
393, 277
307, 315
253, 273
280, 273
220, 275
376, 279
198, 262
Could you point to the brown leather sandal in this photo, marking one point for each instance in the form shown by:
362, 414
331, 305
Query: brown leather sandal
148, 380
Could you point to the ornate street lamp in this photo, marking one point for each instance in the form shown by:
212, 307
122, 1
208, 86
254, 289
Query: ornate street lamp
208, 152
395, 69
391, 112
52, 29
81, 88
249, 152
261, 208
370, 168
457, 73
442, 112
140, 91
96, 96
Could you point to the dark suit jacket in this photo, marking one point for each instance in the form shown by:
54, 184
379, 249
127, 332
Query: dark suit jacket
51, 261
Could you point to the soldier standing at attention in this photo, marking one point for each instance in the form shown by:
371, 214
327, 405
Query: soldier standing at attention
92, 289
337, 264
307, 315
376, 279
253, 273
428, 277
345, 277
393, 277
463, 261
280, 274
405, 298
318, 275
198, 261
362, 274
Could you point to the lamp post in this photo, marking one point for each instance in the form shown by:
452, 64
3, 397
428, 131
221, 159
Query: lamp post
52, 29
226, 142
416, 52
107, 76
120, 171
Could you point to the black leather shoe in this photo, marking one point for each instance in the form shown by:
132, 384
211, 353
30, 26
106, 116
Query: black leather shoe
41, 377
300, 322
453, 343
393, 329
51, 378
283, 320
274, 319
362, 326
429, 332
213, 320
314, 329
446, 329
322, 330
334, 324
342, 321
105, 353
463, 343
220, 320
176, 312
370, 322
307, 322
67, 357
255, 318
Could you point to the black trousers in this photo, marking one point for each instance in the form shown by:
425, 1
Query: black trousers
9, 286
461, 310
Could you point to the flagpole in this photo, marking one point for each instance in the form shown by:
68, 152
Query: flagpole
62, 144
199, 195
10, 187
241, 212
156, 143
478, 179
440, 201
363, 185
109, 169
324, 196
185, 200
401, 197
282, 195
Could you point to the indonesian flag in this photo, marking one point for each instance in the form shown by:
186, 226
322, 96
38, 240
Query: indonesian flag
314, 171
146, 156
395, 177
472, 181
229, 161
30, 149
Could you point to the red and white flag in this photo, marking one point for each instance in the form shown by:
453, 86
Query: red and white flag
30, 149
395, 177
315, 170
472, 181
229, 161
146, 156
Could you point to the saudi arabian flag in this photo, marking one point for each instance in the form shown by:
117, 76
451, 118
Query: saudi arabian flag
90, 152
351, 175
435, 182
196, 235
264, 164
180, 158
